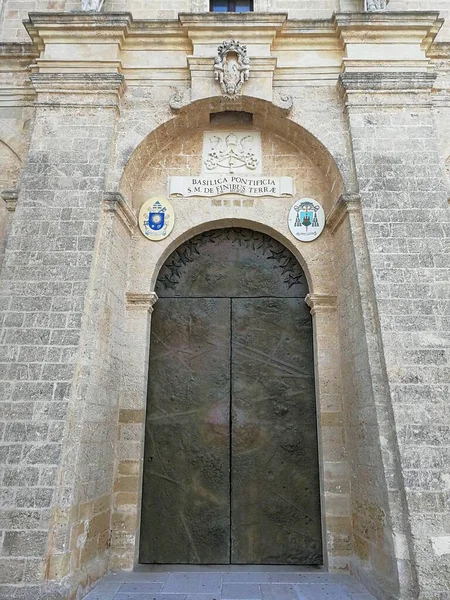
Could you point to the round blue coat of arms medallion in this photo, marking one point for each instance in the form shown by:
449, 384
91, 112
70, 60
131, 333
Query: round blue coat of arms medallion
156, 218
306, 219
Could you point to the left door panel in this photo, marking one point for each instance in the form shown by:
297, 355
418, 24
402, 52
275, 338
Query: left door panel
186, 490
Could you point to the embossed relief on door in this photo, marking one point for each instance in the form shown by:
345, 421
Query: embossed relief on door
231, 459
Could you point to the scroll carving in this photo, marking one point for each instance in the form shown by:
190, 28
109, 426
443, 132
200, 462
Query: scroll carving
283, 101
180, 99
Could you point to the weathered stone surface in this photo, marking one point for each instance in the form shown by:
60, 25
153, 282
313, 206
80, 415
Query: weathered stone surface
355, 108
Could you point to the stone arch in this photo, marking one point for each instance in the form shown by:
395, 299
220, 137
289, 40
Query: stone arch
269, 216
303, 258
131, 161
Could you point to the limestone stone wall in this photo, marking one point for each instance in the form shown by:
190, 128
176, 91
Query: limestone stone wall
400, 173
13, 145
44, 286
10, 165
184, 157
370, 433
77, 278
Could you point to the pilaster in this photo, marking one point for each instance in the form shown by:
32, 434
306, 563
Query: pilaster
399, 173
132, 410
54, 290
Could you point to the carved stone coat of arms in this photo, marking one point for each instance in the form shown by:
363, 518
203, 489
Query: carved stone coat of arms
231, 68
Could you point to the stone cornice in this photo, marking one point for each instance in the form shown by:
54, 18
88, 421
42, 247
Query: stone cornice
347, 203
313, 50
42, 27
387, 41
321, 302
114, 202
140, 301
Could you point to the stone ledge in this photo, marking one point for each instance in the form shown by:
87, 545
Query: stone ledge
319, 302
140, 301
439, 50
10, 197
76, 19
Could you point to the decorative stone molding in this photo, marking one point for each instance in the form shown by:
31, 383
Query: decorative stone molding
78, 89
230, 68
387, 81
320, 302
347, 203
10, 197
140, 301
179, 100
231, 72
283, 101
115, 202
370, 89
375, 5
398, 41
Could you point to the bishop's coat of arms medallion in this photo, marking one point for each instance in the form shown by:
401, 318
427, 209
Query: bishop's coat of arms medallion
306, 219
156, 218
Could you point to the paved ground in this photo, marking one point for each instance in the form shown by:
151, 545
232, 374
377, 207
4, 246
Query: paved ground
233, 584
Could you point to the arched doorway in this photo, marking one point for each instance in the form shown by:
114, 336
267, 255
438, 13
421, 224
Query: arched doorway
231, 459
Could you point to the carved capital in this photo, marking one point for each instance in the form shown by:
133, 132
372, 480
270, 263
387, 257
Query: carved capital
140, 301
347, 203
320, 302
10, 197
114, 202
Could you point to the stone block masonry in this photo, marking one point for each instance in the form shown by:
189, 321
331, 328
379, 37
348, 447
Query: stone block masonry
407, 224
43, 290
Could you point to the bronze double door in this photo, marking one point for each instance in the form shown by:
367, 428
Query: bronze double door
230, 466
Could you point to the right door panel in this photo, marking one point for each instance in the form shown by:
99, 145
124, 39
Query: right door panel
275, 499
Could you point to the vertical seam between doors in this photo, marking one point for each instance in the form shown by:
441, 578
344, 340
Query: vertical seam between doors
231, 429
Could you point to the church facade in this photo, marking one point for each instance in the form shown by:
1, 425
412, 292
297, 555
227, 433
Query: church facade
224, 290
